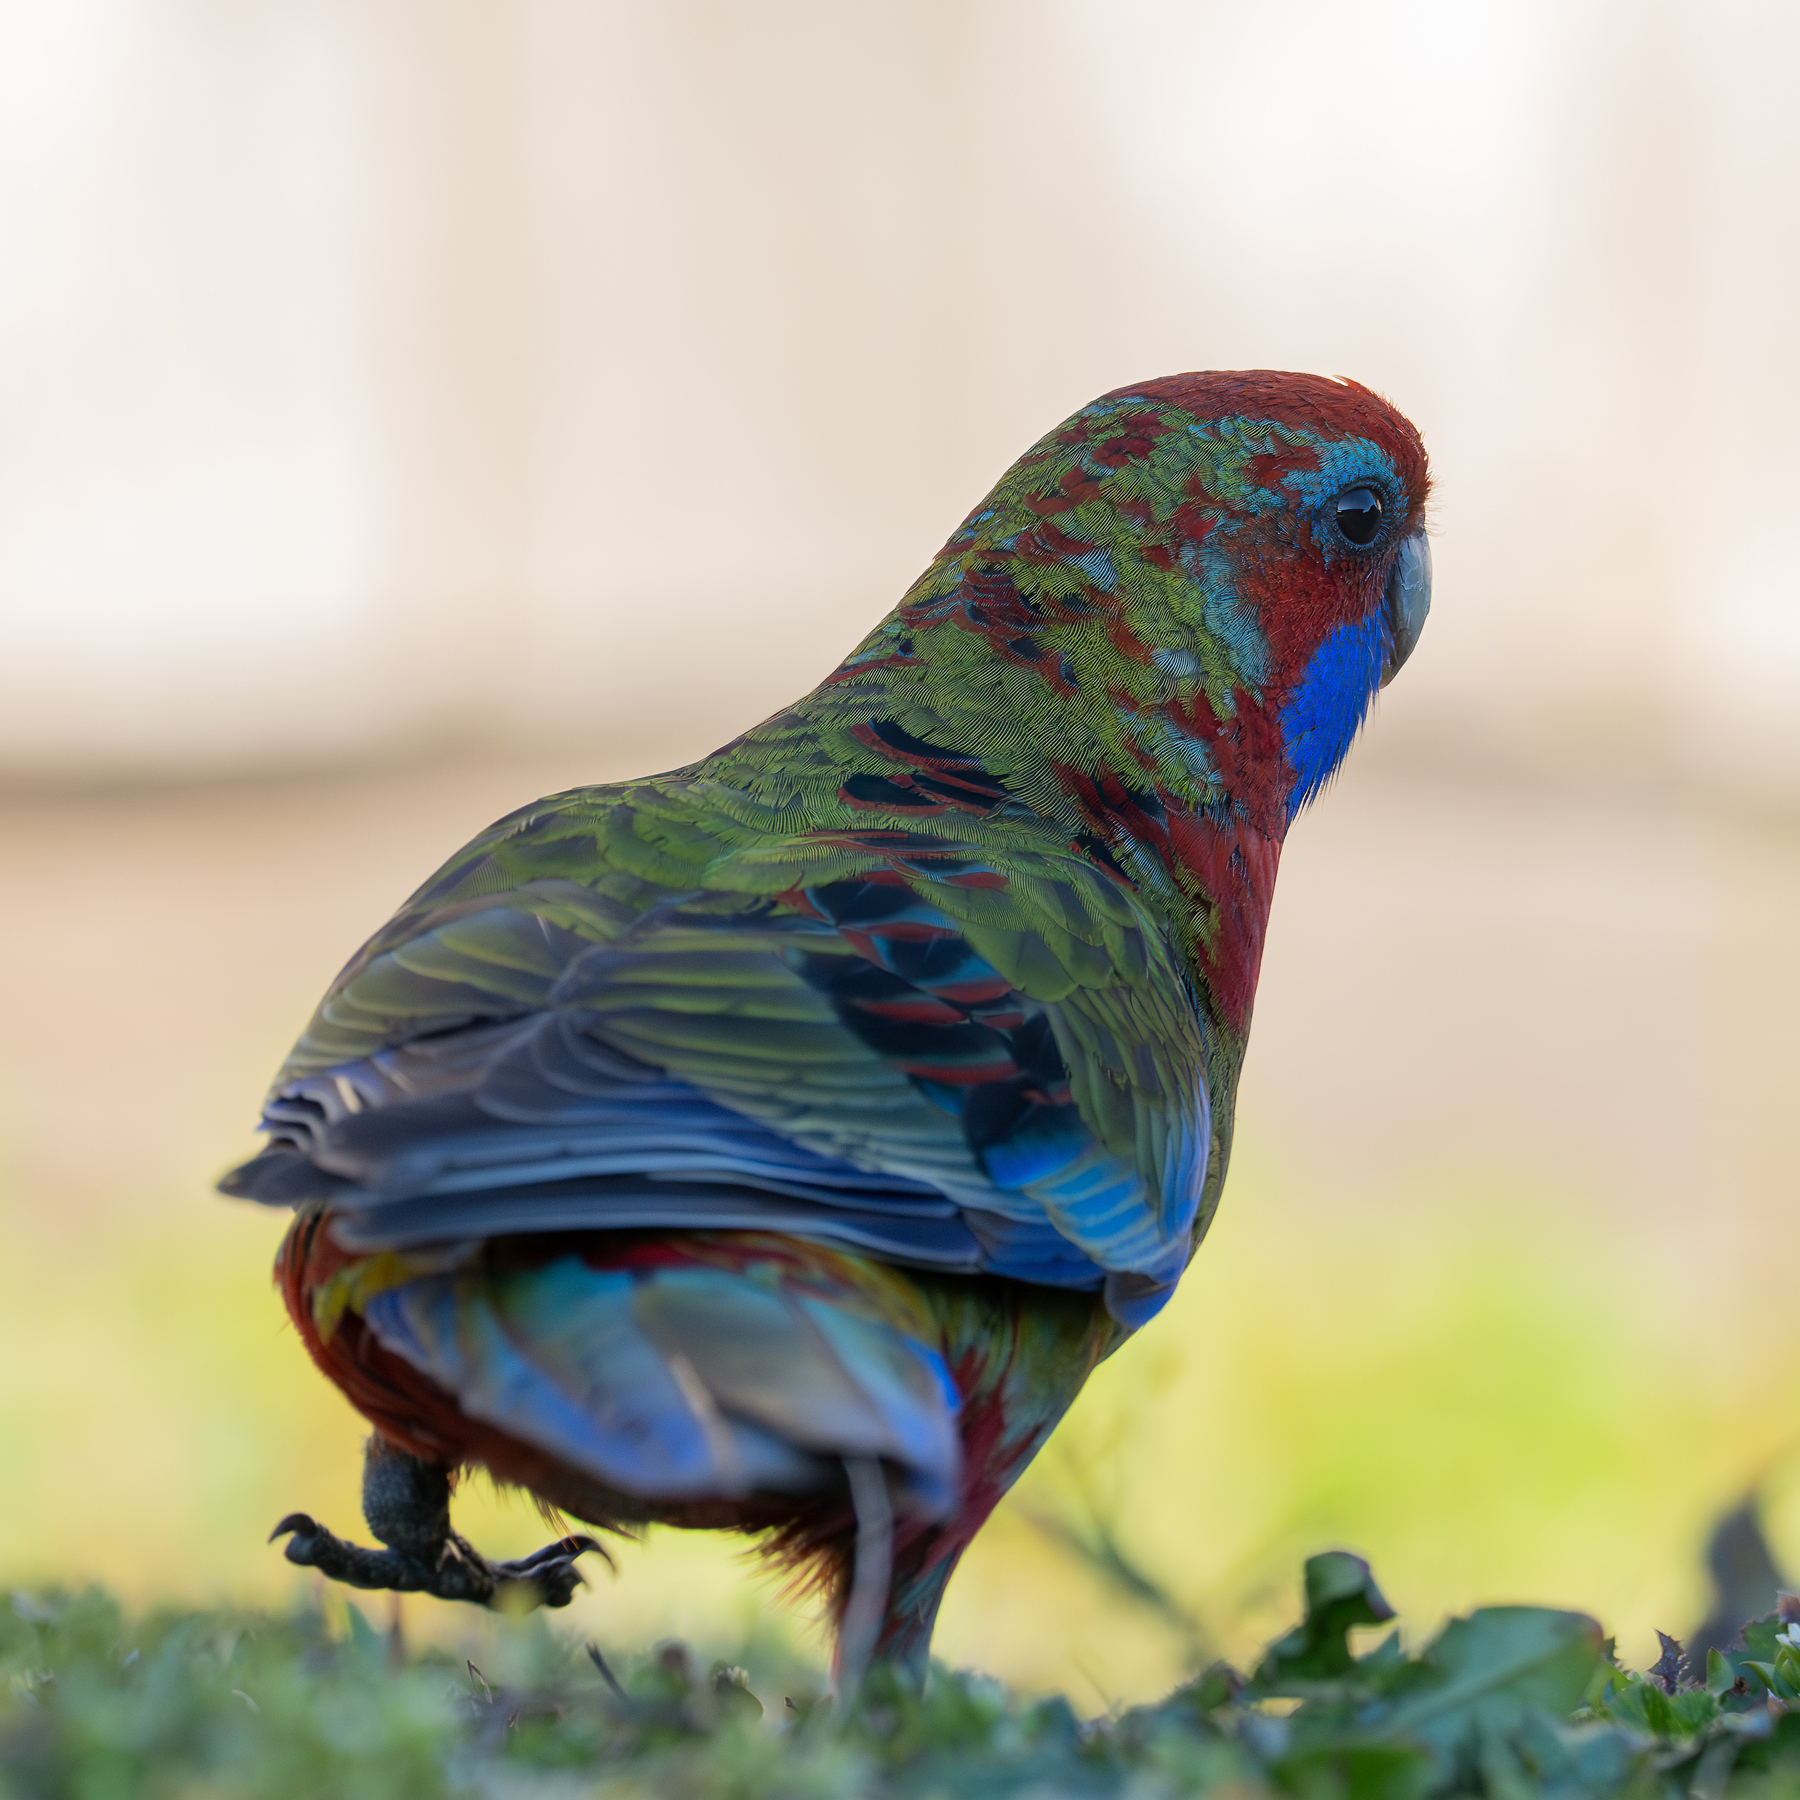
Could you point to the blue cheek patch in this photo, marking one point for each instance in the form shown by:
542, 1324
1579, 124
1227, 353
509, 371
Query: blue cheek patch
1328, 704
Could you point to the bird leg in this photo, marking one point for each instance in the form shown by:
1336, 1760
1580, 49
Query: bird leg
407, 1504
871, 1575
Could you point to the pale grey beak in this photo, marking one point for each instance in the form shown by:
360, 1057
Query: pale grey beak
1408, 600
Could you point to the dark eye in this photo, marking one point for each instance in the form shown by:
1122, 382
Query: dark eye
1359, 514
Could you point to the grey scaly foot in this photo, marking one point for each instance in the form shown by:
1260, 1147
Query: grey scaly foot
407, 1505
459, 1572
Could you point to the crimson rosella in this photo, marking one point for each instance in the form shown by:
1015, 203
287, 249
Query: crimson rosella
777, 1144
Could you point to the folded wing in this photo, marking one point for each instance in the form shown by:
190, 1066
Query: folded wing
898, 1046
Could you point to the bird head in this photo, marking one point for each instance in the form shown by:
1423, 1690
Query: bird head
1309, 500
1195, 585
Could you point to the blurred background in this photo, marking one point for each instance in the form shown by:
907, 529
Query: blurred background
408, 407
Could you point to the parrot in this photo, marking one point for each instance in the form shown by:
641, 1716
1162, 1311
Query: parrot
778, 1144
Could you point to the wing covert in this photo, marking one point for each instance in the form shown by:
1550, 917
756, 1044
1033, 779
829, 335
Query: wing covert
927, 1053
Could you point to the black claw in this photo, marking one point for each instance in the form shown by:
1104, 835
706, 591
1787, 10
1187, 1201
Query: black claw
550, 1573
563, 1550
454, 1570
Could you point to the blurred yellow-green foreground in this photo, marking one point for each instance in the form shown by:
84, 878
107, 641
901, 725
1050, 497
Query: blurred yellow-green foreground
1499, 1294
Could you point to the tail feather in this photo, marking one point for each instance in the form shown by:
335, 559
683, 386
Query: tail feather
683, 1382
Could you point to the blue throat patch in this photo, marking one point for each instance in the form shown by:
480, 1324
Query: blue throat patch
1329, 702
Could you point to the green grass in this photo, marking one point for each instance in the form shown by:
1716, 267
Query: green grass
1511, 1703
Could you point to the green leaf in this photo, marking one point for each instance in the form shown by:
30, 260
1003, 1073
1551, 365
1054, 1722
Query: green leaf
1644, 1706
1490, 1672
1356, 1772
1340, 1594
1217, 1685
1758, 1643
1695, 1711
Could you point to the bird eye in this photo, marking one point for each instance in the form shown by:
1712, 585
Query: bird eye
1359, 514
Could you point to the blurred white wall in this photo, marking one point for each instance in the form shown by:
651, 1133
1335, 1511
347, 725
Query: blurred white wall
377, 374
